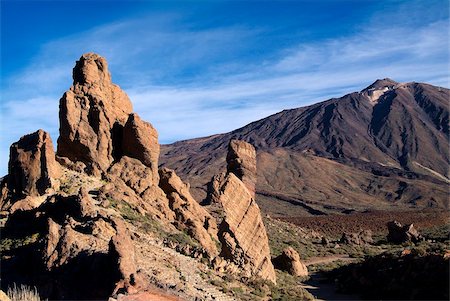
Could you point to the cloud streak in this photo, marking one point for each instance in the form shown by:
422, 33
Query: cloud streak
194, 82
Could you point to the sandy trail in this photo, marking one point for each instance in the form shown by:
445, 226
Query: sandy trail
328, 259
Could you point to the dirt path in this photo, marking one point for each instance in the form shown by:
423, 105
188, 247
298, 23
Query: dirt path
321, 289
328, 259
324, 291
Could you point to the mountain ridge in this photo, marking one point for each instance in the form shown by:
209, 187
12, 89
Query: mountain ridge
387, 128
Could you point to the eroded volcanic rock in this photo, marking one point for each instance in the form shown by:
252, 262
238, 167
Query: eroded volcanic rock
241, 161
83, 251
140, 141
241, 231
132, 182
189, 215
32, 166
399, 234
92, 114
289, 261
32, 171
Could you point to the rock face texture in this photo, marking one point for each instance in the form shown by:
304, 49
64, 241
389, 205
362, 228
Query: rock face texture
134, 183
84, 251
140, 141
92, 114
241, 231
32, 165
189, 215
289, 261
241, 161
399, 233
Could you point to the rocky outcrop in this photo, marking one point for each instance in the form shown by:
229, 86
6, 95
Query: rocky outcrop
241, 232
92, 114
399, 234
289, 261
241, 161
189, 215
84, 251
121, 250
32, 172
140, 141
134, 183
364, 237
32, 167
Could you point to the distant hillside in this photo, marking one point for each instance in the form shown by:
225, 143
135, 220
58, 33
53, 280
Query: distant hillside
383, 147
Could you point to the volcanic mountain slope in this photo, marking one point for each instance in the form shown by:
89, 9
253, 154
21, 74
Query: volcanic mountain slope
383, 147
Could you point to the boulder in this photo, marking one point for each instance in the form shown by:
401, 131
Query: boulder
190, 216
121, 249
32, 172
92, 114
399, 234
289, 261
241, 161
363, 237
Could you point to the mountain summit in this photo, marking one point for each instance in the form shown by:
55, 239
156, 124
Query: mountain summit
384, 146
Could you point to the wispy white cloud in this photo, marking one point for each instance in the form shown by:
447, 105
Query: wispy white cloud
191, 82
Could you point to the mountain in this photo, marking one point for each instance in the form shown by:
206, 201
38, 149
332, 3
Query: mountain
384, 147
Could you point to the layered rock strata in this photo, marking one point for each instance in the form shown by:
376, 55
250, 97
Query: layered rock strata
241, 231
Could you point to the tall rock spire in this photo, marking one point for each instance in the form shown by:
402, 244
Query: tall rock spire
92, 114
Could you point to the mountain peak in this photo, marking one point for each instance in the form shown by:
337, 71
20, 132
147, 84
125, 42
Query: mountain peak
382, 83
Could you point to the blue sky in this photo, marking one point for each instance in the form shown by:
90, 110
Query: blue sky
199, 68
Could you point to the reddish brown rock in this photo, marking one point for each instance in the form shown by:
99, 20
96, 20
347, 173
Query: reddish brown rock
92, 114
32, 168
121, 249
400, 234
134, 183
189, 215
241, 161
289, 261
242, 231
140, 141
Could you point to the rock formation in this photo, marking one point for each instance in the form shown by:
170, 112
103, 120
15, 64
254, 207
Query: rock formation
189, 215
241, 231
132, 182
241, 161
82, 245
92, 114
289, 261
32, 171
140, 141
32, 166
85, 252
400, 234
362, 238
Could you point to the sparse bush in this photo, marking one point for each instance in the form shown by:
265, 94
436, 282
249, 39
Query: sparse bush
23, 293
8, 244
